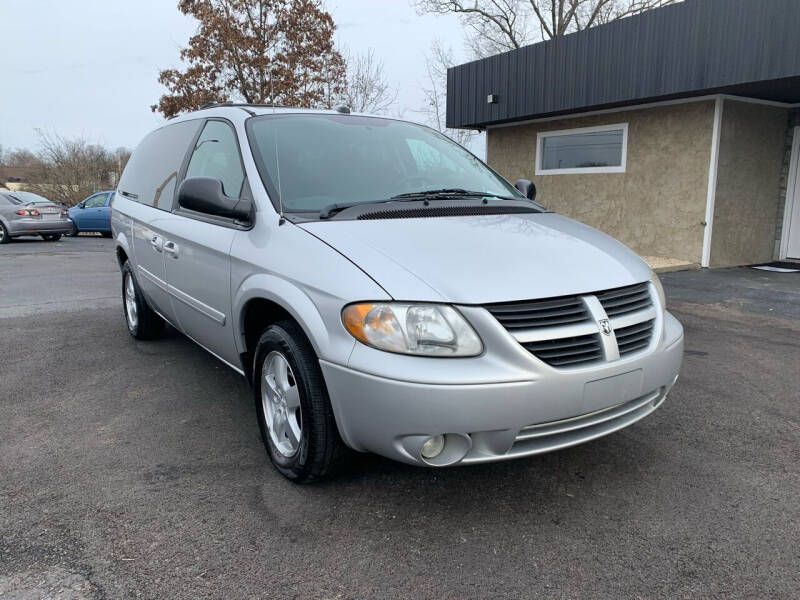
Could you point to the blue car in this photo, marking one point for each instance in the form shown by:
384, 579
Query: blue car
93, 214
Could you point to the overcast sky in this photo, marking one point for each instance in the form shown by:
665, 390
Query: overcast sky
89, 68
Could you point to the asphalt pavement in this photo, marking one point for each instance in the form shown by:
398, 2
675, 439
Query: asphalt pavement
135, 469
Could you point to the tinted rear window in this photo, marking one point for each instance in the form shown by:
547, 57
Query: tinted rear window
26, 198
153, 170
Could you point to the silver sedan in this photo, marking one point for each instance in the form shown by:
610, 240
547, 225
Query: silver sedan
25, 213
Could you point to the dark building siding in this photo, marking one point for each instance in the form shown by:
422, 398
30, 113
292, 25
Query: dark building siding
743, 47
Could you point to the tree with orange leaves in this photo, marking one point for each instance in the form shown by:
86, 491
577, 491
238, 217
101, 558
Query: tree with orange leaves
256, 51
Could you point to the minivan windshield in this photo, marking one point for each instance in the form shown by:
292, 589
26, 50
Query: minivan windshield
312, 161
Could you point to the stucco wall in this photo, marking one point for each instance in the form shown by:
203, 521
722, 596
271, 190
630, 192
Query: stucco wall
657, 206
751, 155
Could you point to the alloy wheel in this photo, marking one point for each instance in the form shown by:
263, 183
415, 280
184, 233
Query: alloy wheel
131, 309
280, 398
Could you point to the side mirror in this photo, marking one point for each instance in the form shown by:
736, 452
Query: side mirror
205, 195
82, 205
527, 187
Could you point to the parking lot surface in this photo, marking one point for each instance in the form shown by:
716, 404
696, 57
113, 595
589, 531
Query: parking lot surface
135, 469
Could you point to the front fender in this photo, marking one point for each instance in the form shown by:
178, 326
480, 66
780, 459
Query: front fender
330, 342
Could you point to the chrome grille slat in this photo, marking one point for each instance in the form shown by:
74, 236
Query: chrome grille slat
534, 305
644, 336
585, 420
625, 299
628, 308
548, 312
634, 337
632, 329
542, 314
567, 351
563, 343
549, 322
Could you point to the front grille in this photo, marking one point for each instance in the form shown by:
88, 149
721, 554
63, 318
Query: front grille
539, 313
540, 326
572, 351
634, 337
626, 299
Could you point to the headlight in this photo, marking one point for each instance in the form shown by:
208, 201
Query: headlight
659, 289
423, 329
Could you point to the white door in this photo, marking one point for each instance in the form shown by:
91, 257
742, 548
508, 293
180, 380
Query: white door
791, 228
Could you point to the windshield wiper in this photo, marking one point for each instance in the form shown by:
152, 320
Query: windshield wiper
453, 192
443, 194
332, 209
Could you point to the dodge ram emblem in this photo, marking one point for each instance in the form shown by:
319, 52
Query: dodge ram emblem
605, 326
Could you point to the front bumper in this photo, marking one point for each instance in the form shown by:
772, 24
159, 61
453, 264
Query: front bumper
34, 226
490, 421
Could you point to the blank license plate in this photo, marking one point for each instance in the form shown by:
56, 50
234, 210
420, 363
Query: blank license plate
603, 393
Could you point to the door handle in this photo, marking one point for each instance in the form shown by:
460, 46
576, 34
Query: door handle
171, 248
157, 243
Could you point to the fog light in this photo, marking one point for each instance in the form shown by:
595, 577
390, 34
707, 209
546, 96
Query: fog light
433, 446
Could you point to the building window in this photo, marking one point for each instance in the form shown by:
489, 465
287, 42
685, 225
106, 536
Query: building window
587, 150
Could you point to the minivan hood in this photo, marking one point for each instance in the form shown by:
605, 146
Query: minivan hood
480, 259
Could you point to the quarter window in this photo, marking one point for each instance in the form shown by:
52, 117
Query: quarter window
152, 171
588, 150
216, 155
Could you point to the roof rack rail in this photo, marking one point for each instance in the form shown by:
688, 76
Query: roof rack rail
245, 105
240, 104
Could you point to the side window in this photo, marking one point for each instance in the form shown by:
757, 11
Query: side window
96, 201
152, 171
216, 155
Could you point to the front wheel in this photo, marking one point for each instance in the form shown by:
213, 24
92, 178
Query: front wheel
294, 411
143, 323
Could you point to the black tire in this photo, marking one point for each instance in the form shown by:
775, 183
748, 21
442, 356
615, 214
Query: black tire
51, 237
4, 237
147, 324
321, 451
106, 234
74, 232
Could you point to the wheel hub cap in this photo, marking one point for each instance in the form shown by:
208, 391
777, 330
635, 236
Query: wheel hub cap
280, 399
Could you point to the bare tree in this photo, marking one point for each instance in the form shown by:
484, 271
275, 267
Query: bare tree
367, 90
18, 158
494, 26
437, 61
68, 170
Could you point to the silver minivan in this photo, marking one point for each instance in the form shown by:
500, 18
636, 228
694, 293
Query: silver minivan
385, 291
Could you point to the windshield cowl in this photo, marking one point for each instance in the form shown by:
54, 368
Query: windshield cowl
426, 207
